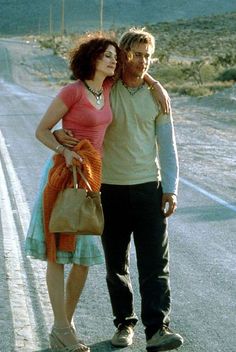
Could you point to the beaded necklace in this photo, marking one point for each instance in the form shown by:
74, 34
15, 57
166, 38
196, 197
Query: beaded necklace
133, 90
96, 93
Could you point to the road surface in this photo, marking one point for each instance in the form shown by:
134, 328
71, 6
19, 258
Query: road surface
202, 234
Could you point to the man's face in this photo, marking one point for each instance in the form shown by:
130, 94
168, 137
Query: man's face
139, 59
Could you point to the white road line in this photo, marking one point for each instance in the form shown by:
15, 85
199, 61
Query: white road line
23, 212
19, 195
209, 195
13, 259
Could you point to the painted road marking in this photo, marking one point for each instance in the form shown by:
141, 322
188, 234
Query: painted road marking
18, 192
20, 313
24, 270
209, 195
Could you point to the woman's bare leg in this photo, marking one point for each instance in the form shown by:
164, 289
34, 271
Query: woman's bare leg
74, 287
55, 284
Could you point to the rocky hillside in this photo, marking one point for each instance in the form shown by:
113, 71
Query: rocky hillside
43, 16
195, 56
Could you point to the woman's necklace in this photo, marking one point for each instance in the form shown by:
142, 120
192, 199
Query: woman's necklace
133, 90
96, 93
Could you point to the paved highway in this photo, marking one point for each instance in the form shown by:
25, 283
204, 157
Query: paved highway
202, 241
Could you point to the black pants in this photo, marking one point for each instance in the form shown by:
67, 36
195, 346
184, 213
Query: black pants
137, 209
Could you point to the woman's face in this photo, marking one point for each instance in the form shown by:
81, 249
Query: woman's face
106, 64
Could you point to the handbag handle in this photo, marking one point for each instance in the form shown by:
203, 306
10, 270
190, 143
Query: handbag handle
74, 168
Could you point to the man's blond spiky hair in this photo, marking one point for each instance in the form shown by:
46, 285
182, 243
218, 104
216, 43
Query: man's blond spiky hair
136, 36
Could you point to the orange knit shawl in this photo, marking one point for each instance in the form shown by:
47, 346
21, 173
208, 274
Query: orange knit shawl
61, 177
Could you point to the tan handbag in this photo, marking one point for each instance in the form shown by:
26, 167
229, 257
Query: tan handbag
77, 211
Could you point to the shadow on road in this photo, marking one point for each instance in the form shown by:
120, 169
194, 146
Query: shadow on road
104, 346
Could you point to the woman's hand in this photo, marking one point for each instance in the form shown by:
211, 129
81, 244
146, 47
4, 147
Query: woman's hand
159, 93
69, 155
162, 97
65, 138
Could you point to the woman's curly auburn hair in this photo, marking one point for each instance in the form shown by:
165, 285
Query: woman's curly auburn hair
84, 56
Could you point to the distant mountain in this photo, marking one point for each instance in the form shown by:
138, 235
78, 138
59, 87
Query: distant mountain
18, 17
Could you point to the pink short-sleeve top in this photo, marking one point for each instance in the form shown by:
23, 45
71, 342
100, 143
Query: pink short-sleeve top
82, 118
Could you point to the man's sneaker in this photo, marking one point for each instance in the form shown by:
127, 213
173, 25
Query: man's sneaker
123, 336
164, 340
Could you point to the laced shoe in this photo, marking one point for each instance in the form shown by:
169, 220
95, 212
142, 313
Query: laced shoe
123, 336
164, 340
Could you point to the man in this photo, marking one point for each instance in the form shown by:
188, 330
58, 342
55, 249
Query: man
135, 201
140, 181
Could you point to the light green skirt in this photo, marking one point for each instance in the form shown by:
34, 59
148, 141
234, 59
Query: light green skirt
88, 249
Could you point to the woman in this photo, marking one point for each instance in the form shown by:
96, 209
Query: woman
83, 106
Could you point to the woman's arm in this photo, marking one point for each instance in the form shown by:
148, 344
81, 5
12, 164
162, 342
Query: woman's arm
159, 93
53, 115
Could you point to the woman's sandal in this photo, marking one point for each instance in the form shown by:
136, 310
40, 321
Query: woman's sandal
73, 329
57, 345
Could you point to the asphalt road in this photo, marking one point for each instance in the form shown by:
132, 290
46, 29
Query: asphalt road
202, 241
